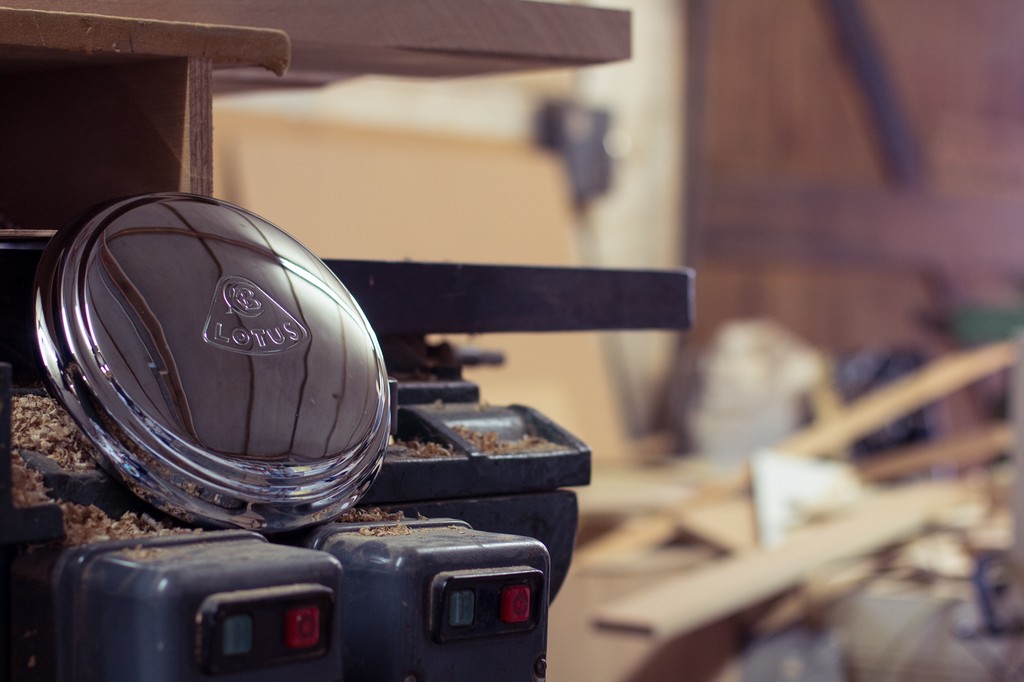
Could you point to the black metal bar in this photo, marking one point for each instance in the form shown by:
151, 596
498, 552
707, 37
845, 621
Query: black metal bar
424, 298
861, 50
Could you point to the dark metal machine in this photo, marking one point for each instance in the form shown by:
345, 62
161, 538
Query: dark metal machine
155, 318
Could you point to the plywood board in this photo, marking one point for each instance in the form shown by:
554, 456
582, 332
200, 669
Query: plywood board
357, 192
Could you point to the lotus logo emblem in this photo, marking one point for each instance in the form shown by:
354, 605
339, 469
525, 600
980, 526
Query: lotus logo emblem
245, 319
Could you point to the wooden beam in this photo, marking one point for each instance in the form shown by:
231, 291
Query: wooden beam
651, 530
695, 178
682, 604
972, 448
815, 223
34, 38
892, 127
197, 173
934, 381
331, 38
729, 524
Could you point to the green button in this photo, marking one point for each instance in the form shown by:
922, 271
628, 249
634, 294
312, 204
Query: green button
461, 605
236, 634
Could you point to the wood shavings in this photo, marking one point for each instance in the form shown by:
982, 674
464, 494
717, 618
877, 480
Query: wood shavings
39, 424
376, 514
491, 443
140, 553
27, 488
368, 514
421, 450
385, 530
83, 525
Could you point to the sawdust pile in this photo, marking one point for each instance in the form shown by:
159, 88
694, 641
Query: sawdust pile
376, 514
419, 449
83, 525
491, 443
27, 488
368, 514
39, 424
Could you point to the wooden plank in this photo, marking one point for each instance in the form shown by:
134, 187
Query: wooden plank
972, 448
30, 38
403, 37
650, 530
934, 381
878, 408
684, 603
615, 491
197, 174
729, 524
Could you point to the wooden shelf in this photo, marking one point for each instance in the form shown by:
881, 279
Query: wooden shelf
32, 39
97, 107
106, 98
333, 39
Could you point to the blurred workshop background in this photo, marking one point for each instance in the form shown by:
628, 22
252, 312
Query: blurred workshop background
847, 179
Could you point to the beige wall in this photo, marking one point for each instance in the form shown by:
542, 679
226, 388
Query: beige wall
350, 191
447, 170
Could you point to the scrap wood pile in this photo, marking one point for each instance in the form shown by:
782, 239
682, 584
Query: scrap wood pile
745, 573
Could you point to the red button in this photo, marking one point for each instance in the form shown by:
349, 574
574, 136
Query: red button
302, 627
515, 604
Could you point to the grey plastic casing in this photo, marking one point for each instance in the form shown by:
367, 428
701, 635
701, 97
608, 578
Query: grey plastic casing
396, 596
134, 610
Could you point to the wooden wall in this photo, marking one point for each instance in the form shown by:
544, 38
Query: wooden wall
796, 163
841, 309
